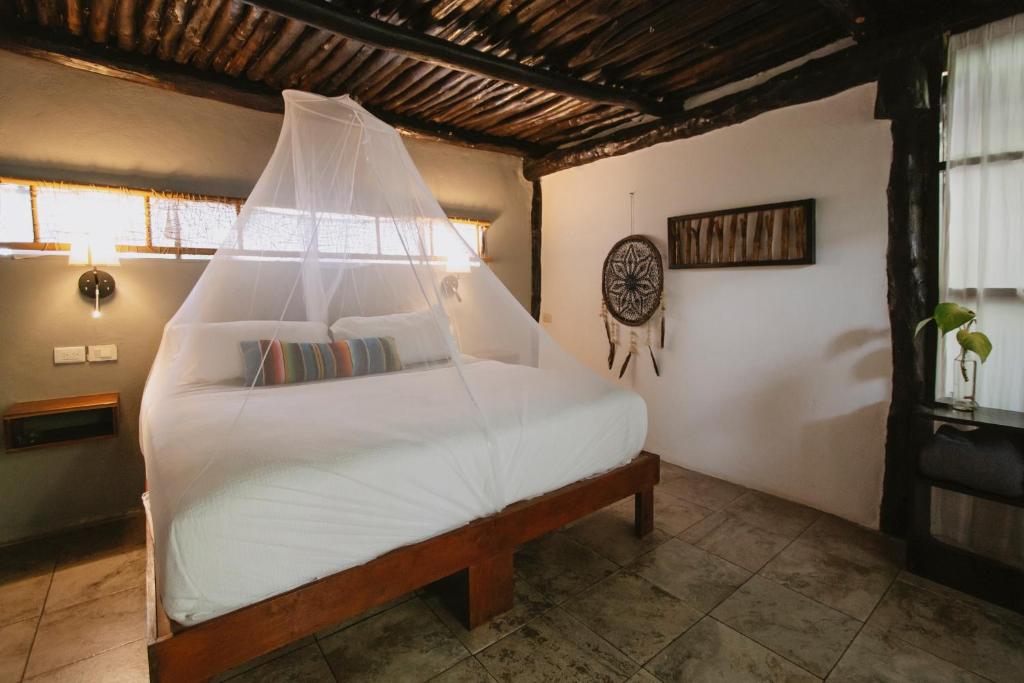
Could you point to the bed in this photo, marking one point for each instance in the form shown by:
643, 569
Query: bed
397, 491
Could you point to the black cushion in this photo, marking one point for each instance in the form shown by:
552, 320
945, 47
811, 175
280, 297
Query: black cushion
981, 459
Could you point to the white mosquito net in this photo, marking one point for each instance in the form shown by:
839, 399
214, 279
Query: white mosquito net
347, 377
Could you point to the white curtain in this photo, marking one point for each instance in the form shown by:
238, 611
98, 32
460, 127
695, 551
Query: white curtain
983, 227
983, 250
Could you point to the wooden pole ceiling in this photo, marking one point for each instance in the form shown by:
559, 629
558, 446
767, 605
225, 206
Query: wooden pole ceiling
427, 48
85, 56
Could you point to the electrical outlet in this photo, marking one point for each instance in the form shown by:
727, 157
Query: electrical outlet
102, 352
68, 354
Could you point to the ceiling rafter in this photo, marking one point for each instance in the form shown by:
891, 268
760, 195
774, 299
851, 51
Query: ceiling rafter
79, 54
427, 48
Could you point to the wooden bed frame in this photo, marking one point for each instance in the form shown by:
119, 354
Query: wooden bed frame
479, 553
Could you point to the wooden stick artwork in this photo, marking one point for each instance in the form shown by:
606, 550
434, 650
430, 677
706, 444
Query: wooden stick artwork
766, 235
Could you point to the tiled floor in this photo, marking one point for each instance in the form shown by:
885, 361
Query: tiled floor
733, 585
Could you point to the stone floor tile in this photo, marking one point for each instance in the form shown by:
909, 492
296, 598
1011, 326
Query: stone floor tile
25, 575
559, 567
733, 539
672, 515
405, 643
125, 664
875, 657
984, 639
853, 542
613, 537
693, 575
843, 584
801, 630
528, 603
773, 514
670, 471
556, 647
702, 490
77, 582
469, 670
632, 614
87, 629
711, 651
15, 642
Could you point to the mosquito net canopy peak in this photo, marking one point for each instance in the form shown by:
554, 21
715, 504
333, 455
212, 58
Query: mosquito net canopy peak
347, 364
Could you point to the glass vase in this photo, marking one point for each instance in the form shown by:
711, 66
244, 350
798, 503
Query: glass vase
965, 387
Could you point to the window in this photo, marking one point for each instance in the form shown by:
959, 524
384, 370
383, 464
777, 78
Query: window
982, 245
47, 216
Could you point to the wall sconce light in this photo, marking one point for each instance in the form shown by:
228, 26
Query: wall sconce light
92, 249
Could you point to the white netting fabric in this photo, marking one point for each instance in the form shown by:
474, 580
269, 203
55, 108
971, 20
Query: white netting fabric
256, 489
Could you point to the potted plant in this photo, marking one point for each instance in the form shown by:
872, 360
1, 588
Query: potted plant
949, 316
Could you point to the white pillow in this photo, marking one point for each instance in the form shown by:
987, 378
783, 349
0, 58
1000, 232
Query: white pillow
211, 353
417, 335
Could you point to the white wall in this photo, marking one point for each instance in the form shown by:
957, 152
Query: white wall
775, 378
59, 123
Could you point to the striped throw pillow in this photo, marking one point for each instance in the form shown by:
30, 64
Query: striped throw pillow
269, 362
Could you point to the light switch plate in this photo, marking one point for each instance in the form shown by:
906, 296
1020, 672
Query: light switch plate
102, 352
68, 354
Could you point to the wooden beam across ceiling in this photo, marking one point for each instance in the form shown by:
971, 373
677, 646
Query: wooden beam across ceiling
815, 80
428, 48
853, 15
80, 54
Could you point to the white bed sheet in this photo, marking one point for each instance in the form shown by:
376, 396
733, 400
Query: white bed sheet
397, 464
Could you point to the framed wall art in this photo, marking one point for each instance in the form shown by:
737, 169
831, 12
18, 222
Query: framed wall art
779, 234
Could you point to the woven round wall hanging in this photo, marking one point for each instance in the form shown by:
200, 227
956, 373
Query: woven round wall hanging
632, 280
632, 283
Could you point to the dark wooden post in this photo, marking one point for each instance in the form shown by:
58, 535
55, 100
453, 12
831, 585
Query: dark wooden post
643, 512
535, 223
908, 95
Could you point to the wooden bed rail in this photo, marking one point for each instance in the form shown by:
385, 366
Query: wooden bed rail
483, 549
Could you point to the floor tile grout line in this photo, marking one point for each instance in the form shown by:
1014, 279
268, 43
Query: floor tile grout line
605, 640
85, 659
320, 649
900, 638
862, 626
39, 620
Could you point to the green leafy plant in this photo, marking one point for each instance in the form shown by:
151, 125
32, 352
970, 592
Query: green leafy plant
948, 317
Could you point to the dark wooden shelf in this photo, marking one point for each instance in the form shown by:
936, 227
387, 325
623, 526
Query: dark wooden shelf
967, 490
943, 411
60, 421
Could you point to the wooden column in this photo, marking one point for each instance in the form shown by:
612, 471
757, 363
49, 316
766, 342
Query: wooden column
535, 223
908, 95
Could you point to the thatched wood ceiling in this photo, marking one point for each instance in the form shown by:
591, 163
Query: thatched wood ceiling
530, 76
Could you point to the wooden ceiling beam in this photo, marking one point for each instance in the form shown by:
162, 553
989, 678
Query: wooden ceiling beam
815, 80
82, 55
427, 48
854, 16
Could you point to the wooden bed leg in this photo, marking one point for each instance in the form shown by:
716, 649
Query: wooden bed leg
643, 515
489, 589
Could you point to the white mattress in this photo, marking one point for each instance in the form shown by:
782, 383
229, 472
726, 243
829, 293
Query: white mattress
287, 496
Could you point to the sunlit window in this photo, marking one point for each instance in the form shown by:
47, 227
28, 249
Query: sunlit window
43, 216
15, 213
65, 213
196, 224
